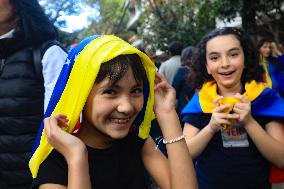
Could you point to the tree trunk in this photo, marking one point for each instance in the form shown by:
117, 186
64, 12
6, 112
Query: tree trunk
248, 14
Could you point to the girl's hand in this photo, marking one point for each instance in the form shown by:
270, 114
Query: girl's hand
220, 118
165, 95
243, 109
68, 145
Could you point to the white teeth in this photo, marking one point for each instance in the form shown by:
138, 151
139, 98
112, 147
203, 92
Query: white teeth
119, 121
226, 73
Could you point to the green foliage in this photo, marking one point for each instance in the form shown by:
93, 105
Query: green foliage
112, 19
180, 20
259, 17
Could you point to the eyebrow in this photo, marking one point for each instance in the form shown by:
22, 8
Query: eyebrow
230, 50
235, 48
114, 85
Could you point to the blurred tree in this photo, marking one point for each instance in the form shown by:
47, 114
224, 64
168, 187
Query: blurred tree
165, 21
112, 19
259, 17
57, 8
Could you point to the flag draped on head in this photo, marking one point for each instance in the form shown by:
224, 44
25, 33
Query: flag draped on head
76, 80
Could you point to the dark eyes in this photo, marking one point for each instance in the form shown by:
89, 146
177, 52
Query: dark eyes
109, 91
234, 54
137, 90
213, 58
216, 57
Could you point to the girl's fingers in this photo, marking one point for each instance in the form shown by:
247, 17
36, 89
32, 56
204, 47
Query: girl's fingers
220, 109
242, 98
47, 126
158, 78
216, 101
224, 122
232, 116
225, 116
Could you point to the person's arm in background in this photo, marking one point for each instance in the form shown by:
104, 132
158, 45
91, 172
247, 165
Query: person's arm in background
52, 62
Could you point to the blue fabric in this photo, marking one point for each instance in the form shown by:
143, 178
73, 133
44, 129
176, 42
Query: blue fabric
60, 84
276, 73
269, 104
193, 106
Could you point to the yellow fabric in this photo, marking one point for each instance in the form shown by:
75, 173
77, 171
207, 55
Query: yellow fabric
80, 83
265, 65
208, 94
229, 100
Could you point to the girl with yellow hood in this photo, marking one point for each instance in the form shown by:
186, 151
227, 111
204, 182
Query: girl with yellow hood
111, 84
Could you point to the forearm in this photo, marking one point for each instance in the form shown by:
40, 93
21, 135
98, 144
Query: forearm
180, 163
78, 172
198, 143
270, 148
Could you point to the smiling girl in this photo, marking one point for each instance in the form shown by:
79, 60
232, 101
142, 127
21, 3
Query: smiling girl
238, 157
112, 84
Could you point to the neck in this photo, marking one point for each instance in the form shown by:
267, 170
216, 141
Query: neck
92, 137
7, 26
230, 91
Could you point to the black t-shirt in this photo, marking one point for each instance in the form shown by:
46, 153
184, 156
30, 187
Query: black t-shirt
231, 159
120, 166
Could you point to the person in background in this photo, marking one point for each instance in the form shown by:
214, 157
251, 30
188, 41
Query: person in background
184, 88
24, 91
272, 60
115, 93
169, 67
234, 123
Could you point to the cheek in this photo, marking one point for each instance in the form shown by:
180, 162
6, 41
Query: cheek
211, 68
208, 70
139, 103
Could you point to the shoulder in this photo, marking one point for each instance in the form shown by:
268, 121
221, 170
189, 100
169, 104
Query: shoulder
55, 50
54, 163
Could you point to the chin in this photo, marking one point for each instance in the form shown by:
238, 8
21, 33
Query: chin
119, 135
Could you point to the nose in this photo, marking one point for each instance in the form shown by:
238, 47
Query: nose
125, 105
225, 61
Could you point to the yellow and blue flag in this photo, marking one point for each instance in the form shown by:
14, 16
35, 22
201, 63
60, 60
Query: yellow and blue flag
76, 80
264, 101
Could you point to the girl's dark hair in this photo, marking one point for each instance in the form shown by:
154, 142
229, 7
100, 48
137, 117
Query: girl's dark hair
252, 70
116, 68
34, 27
262, 41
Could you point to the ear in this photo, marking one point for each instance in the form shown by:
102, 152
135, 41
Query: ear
208, 70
